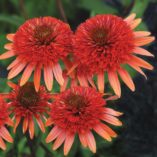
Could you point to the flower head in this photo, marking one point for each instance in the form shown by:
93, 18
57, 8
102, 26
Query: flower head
28, 105
39, 44
4, 119
105, 43
80, 110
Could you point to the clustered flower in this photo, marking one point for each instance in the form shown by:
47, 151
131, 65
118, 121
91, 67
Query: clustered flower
101, 46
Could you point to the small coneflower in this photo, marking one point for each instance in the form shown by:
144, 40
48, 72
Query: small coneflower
104, 44
27, 105
80, 110
39, 43
4, 120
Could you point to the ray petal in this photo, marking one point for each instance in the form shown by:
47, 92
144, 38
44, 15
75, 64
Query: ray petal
7, 54
10, 36
143, 41
114, 82
69, 140
126, 78
31, 128
82, 138
112, 112
57, 70
48, 77
14, 63
37, 77
91, 141
138, 34
25, 124
8, 46
130, 18
40, 124
2, 144
135, 23
49, 122
5, 134
18, 119
26, 74
141, 51
101, 82
83, 81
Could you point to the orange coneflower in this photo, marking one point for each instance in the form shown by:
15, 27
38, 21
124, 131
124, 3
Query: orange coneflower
105, 43
4, 119
39, 44
80, 110
28, 105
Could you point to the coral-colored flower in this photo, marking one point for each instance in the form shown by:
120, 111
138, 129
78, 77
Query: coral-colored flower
28, 105
80, 110
4, 119
40, 43
105, 43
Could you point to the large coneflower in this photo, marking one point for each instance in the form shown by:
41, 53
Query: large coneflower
80, 110
106, 43
28, 106
39, 43
4, 120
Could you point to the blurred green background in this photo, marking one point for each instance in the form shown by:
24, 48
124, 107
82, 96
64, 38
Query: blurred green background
135, 140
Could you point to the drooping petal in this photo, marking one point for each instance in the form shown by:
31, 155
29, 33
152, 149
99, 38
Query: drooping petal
14, 63
68, 143
58, 142
8, 46
114, 82
91, 142
26, 74
2, 144
141, 51
18, 119
58, 74
10, 37
31, 128
126, 78
37, 77
48, 77
90, 80
112, 112
53, 134
83, 81
7, 54
49, 122
82, 138
99, 130
101, 82
40, 124
5, 134
16, 70
25, 124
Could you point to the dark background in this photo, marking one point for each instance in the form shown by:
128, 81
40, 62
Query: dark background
138, 136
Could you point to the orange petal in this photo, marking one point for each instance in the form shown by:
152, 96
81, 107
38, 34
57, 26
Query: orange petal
10, 37
7, 54
101, 82
112, 120
49, 122
18, 119
9, 122
16, 70
14, 63
82, 138
140, 62
8, 46
138, 69
112, 112
48, 77
143, 41
114, 82
2, 144
99, 130
58, 74
141, 34
12, 85
141, 51
53, 134
5, 134
109, 130
25, 124
90, 80
40, 124
91, 142
26, 74
37, 77
83, 81
68, 143
63, 88
31, 128
126, 78
135, 23
113, 97
130, 18
60, 139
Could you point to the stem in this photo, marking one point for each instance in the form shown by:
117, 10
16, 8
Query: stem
61, 10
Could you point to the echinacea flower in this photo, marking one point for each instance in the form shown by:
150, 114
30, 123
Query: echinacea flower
4, 120
27, 105
80, 110
40, 43
105, 44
